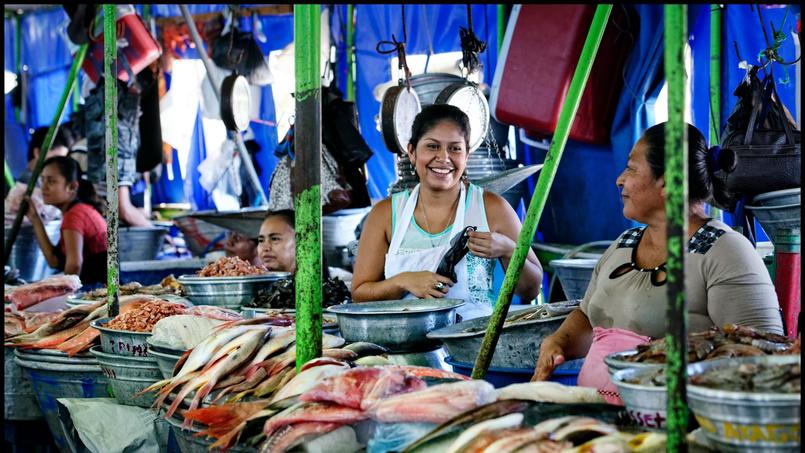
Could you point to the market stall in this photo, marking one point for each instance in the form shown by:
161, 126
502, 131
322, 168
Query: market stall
217, 353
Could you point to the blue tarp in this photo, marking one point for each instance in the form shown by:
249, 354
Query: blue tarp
584, 204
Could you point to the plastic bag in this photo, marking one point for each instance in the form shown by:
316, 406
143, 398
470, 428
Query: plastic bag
222, 172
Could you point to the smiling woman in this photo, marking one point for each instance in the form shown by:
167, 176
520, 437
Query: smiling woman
406, 236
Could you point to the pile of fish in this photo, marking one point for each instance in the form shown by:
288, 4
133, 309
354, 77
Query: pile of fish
26, 296
753, 377
731, 341
25, 322
168, 285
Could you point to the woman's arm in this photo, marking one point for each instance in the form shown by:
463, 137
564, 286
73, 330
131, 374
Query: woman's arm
570, 341
73, 248
368, 281
48, 250
500, 242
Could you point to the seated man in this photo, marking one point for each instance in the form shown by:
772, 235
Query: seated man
241, 246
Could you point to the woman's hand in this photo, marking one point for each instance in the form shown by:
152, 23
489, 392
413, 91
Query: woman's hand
551, 355
31, 212
424, 284
491, 245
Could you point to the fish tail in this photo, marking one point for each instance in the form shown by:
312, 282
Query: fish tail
230, 438
180, 397
155, 386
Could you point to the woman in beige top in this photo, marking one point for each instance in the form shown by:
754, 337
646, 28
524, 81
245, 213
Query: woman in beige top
626, 300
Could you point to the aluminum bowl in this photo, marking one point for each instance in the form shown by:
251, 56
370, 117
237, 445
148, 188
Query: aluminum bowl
166, 362
140, 243
227, 292
616, 362
778, 198
121, 342
519, 343
744, 421
129, 376
646, 405
399, 325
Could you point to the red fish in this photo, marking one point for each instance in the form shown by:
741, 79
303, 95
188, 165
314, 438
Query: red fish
313, 412
361, 387
435, 404
289, 436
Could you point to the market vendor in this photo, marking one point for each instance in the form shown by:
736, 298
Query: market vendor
82, 247
626, 301
241, 246
406, 235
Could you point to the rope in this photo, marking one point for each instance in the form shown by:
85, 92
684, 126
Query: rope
399, 47
471, 46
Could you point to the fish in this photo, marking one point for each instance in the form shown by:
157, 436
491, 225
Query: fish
466, 438
435, 404
340, 354
251, 382
270, 385
347, 388
466, 419
552, 392
289, 436
246, 344
51, 341
366, 349
421, 371
79, 342
373, 360
391, 382
307, 379
262, 332
65, 320
511, 440
226, 422
322, 361
735, 350
313, 412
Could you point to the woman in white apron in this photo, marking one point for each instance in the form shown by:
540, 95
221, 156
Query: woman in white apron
406, 236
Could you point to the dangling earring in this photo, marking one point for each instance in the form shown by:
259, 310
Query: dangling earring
464, 176
413, 172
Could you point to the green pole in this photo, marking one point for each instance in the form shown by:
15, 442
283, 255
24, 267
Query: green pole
501, 24
715, 83
306, 182
351, 53
46, 145
676, 208
110, 107
546, 176
9, 177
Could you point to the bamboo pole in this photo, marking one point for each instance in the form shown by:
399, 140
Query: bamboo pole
46, 145
676, 208
110, 120
501, 10
212, 79
9, 177
306, 182
546, 176
350, 52
715, 84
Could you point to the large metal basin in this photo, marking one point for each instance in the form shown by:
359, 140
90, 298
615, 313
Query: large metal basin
646, 405
518, 345
18, 398
121, 342
399, 325
129, 376
140, 243
744, 421
26, 256
227, 292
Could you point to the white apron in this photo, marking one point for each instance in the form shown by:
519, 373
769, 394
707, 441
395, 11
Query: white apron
429, 259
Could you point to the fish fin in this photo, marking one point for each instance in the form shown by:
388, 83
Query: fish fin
180, 363
180, 397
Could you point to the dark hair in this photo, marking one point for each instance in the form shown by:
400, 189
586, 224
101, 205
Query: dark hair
286, 214
703, 163
71, 171
63, 137
433, 114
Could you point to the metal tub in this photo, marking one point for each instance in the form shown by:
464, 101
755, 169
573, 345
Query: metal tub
743, 421
329, 323
778, 198
227, 292
18, 398
518, 346
82, 378
166, 362
121, 342
399, 325
617, 362
128, 376
140, 243
773, 218
26, 256
574, 274
646, 405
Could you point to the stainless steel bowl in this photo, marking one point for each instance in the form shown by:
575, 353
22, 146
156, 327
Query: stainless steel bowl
744, 421
399, 325
646, 405
121, 342
227, 292
518, 345
617, 362
140, 243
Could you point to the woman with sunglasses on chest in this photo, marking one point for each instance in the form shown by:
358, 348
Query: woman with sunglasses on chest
625, 303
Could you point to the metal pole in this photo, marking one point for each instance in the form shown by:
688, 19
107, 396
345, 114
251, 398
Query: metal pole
212, 78
306, 182
546, 176
715, 84
676, 209
350, 53
46, 145
110, 119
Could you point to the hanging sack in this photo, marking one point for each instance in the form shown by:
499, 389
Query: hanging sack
765, 140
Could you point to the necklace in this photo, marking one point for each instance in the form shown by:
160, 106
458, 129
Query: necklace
427, 224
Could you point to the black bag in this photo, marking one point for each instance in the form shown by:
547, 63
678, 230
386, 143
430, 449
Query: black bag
765, 140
